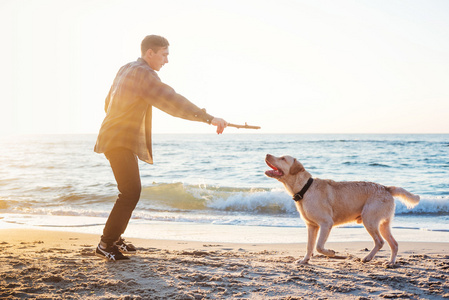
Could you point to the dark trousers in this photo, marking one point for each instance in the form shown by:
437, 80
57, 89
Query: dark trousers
125, 166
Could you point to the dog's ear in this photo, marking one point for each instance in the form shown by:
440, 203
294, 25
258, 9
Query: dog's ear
296, 168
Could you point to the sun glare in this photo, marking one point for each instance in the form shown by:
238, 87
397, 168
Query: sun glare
289, 67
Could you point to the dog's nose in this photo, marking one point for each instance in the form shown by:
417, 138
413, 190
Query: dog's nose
268, 156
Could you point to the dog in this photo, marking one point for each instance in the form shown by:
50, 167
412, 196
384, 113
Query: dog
324, 203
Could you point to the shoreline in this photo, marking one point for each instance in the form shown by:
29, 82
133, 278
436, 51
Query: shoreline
45, 264
216, 233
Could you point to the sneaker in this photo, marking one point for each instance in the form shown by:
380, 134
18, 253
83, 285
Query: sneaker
125, 248
111, 253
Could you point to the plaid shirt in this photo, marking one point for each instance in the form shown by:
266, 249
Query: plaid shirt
135, 90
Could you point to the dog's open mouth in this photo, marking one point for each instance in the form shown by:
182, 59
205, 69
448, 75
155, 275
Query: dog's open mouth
273, 173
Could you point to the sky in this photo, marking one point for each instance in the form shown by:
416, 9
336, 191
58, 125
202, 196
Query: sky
289, 66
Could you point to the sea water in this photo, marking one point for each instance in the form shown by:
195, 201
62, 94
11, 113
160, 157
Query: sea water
213, 187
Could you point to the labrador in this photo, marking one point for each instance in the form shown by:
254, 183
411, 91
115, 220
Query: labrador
324, 203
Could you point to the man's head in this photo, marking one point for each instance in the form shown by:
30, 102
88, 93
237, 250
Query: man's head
155, 51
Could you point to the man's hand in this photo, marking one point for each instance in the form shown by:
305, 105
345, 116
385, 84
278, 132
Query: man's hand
220, 123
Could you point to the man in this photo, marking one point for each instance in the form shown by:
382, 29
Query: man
125, 134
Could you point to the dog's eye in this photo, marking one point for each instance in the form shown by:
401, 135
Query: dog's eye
282, 158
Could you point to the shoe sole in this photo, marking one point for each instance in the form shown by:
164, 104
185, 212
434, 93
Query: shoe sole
125, 252
107, 259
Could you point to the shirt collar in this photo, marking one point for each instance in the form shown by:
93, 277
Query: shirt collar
142, 61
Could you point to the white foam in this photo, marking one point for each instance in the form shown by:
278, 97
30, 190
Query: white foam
427, 205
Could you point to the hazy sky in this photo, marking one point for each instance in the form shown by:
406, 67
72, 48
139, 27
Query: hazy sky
289, 66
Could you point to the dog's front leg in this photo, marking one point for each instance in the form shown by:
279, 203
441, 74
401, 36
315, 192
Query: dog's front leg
312, 232
325, 229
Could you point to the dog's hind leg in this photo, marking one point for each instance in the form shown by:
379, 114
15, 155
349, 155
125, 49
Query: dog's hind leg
325, 229
385, 230
312, 232
373, 228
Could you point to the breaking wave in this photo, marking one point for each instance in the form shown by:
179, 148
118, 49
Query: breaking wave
179, 197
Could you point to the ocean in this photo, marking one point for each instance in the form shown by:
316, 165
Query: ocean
212, 187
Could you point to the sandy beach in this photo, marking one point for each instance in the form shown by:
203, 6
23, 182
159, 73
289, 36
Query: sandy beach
42, 264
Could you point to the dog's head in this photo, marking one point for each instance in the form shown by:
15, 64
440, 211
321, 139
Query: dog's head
282, 167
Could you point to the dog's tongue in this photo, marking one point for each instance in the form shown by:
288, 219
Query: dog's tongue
274, 172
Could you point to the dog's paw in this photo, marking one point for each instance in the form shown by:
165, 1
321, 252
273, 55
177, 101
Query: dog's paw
302, 261
390, 265
366, 259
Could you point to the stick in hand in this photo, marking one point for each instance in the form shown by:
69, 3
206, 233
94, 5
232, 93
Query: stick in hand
246, 126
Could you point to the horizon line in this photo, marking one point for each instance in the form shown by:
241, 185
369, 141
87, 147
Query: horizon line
228, 133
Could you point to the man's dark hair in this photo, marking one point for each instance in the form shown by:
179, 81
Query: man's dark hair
153, 42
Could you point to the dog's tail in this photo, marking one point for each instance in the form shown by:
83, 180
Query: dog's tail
409, 199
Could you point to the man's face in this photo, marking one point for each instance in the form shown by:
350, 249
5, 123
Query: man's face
158, 59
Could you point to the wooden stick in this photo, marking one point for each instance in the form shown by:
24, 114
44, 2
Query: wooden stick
246, 126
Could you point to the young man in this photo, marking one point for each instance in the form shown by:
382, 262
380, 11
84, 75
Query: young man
125, 134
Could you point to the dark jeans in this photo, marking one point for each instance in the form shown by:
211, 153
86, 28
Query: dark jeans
126, 172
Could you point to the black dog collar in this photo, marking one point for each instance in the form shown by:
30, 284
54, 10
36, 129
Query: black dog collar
298, 196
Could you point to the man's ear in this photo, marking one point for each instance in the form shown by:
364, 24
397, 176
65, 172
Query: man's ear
296, 168
149, 53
